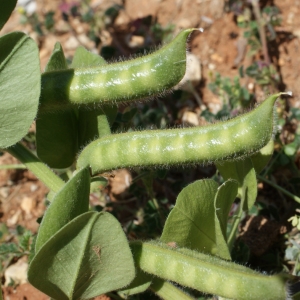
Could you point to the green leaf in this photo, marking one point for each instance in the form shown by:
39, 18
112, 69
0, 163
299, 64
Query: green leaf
7, 7
243, 172
198, 220
71, 201
98, 183
56, 139
261, 158
20, 84
291, 148
84, 58
9, 248
90, 256
94, 124
57, 60
56, 134
141, 283
223, 202
24, 242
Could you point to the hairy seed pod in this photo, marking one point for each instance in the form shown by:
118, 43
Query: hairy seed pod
207, 273
230, 139
130, 80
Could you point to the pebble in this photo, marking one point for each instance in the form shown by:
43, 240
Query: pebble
193, 72
16, 272
27, 205
190, 117
71, 43
135, 41
14, 219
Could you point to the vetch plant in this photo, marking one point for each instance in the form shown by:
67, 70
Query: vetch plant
80, 254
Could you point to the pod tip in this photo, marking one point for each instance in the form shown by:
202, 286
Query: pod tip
288, 93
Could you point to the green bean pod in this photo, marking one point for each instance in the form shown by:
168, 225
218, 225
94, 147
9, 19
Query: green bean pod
130, 80
238, 137
208, 274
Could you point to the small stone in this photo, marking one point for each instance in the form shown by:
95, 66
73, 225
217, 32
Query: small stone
207, 20
16, 272
216, 57
211, 66
190, 117
4, 192
135, 41
121, 181
71, 43
281, 62
122, 19
184, 23
77, 26
84, 40
14, 219
297, 33
61, 26
251, 86
33, 187
27, 205
214, 107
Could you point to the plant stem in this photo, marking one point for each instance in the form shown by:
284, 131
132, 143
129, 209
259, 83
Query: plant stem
234, 227
39, 169
279, 188
270, 165
12, 166
167, 291
261, 28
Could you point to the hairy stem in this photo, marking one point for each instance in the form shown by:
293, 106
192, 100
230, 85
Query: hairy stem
12, 166
262, 33
39, 169
279, 188
237, 218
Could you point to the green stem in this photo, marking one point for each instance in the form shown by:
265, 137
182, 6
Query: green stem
148, 182
279, 188
270, 165
167, 291
261, 29
39, 169
12, 166
234, 227
296, 296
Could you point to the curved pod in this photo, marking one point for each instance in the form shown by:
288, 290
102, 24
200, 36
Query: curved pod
208, 274
231, 139
134, 79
